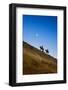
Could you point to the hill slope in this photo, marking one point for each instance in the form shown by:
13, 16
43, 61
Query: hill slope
37, 62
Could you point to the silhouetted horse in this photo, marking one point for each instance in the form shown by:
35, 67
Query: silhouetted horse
41, 48
47, 51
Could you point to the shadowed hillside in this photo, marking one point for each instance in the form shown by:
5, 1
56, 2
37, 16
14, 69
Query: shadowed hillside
37, 62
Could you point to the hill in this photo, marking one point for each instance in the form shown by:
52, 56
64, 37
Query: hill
37, 62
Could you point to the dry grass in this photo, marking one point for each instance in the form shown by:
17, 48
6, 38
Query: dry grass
37, 62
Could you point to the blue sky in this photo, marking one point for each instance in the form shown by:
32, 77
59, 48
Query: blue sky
41, 30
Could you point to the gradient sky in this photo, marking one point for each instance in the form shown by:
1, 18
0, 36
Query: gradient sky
41, 30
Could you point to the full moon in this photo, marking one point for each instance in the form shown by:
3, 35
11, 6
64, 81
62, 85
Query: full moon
36, 34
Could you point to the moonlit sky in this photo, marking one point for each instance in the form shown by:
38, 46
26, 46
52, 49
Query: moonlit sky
41, 30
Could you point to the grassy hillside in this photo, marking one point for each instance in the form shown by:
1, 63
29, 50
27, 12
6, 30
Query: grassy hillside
37, 62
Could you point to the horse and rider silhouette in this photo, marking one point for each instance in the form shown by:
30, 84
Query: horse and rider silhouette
42, 49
